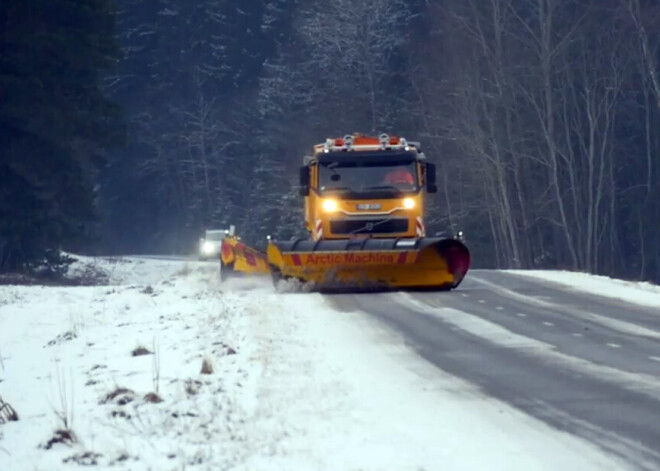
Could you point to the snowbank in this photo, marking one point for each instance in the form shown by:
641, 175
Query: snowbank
645, 294
111, 375
85, 359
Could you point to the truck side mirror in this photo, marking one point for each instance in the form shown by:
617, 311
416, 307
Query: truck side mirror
431, 187
304, 180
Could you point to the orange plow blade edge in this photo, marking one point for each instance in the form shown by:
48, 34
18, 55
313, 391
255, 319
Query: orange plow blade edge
365, 264
236, 257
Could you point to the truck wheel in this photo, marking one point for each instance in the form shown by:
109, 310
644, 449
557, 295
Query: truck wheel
275, 274
226, 271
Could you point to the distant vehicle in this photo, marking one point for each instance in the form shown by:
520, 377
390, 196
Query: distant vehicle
209, 245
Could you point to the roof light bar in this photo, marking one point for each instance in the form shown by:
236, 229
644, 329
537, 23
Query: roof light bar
348, 141
359, 142
384, 140
328, 144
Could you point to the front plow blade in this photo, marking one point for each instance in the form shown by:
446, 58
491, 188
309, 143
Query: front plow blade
364, 264
236, 257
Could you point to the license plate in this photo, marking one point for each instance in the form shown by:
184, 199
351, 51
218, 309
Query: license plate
368, 206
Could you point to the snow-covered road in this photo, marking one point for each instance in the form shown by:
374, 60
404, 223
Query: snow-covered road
298, 381
588, 365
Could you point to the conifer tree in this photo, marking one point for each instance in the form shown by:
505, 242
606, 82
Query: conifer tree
55, 123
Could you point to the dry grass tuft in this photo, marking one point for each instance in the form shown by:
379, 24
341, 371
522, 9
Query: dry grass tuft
61, 338
192, 387
120, 396
147, 290
207, 366
63, 436
153, 398
139, 351
88, 458
7, 412
120, 414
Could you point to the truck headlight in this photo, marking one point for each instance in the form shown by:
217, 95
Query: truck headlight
208, 247
329, 205
409, 203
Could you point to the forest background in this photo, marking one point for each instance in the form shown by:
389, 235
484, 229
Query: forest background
131, 126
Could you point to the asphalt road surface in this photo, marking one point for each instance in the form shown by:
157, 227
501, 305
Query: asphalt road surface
585, 364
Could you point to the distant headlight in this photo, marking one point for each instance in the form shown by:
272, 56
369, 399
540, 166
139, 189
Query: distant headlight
208, 247
330, 205
409, 203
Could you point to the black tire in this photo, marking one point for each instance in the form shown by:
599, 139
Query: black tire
226, 271
275, 274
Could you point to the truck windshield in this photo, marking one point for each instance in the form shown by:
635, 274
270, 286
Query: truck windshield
214, 235
365, 177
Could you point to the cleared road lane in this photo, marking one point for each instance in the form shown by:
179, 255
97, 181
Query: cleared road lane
585, 364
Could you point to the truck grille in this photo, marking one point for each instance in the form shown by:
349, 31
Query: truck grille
369, 226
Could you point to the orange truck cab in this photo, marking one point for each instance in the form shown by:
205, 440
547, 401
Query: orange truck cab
364, 210
359, 186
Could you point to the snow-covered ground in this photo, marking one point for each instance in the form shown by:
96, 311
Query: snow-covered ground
645, 294
112, 376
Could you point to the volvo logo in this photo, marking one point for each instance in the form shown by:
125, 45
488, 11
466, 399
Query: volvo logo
369, 226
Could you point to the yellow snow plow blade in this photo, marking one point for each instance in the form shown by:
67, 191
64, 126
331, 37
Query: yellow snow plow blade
362, 264
235, 256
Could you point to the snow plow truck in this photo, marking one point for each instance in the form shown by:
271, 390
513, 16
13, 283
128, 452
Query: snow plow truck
364, 212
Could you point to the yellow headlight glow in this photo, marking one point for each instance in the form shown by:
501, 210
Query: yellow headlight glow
408, 203
330, 205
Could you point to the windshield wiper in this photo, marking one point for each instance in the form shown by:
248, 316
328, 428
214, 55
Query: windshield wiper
382, 187
341, 189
